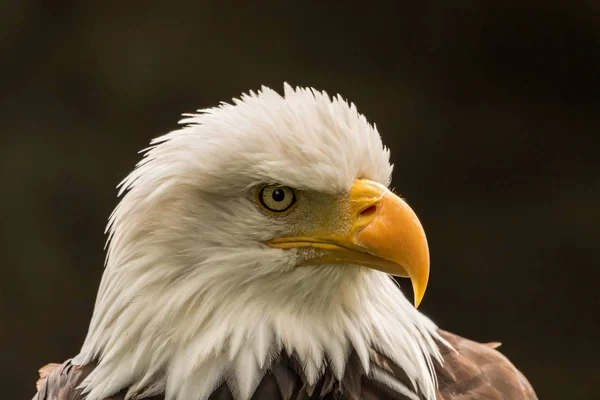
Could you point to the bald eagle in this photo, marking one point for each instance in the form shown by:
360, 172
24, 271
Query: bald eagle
251, 258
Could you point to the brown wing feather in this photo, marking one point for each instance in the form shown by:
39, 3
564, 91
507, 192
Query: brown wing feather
62, 381
474, 371
44, 372
478, 371
59, 382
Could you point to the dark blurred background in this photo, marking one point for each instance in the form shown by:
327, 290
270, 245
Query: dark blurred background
492, 112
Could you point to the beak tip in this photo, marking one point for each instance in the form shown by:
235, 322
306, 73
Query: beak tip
417, 300
419, 293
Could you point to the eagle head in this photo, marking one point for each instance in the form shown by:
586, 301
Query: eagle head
260, 227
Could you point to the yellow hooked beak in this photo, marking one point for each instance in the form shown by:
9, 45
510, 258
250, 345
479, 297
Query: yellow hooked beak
384, 233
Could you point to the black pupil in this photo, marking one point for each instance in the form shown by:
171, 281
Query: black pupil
278, 195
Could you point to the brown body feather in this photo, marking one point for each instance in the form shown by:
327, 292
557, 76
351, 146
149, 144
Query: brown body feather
474, 371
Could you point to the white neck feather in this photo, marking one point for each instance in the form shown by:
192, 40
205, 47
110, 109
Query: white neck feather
149, 334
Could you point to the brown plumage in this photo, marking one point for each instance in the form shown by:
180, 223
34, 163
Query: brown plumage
474, 371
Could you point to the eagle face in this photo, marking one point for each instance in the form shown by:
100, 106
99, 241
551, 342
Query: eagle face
261, 227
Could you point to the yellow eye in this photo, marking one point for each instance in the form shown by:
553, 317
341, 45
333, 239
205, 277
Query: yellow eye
277, 198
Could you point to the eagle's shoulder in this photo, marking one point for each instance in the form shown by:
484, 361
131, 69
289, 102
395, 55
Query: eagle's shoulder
470, 371
60, 381
285, 380
474, 370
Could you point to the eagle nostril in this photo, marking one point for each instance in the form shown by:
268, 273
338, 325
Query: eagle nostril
368, 211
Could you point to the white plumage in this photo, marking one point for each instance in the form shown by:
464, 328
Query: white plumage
192, 297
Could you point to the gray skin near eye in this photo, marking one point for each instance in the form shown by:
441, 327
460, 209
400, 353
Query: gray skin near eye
311, 210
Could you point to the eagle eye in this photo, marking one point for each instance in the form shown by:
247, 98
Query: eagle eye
276, 199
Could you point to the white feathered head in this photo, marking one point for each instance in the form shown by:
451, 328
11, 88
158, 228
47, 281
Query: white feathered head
259, 227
